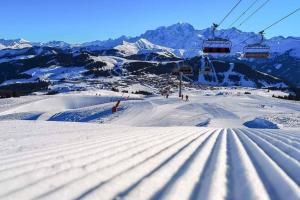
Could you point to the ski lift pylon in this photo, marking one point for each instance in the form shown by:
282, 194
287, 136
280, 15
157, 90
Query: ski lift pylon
207, 68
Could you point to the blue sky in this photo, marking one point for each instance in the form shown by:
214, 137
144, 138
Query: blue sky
86, 20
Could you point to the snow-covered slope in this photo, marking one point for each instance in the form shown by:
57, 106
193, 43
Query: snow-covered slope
132, 163
236, 74
150, 149
49, 64
223, 108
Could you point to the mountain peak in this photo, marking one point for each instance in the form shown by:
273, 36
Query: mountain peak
139, 42
183, 25
140, 46
21, 40
57, 44
13, 41
178, 27
14, 44
144, 42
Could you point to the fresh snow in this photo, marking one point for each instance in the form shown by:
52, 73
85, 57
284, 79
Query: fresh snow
152, 148
51, 160
56, 72
222, 108
3, 60
53, 73
110, 61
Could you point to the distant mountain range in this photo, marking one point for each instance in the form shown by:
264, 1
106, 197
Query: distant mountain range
182, 39
165, 45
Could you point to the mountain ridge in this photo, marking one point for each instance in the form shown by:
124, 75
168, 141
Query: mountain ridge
181, 37
177, 42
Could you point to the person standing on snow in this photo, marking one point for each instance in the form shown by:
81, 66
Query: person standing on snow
186, 98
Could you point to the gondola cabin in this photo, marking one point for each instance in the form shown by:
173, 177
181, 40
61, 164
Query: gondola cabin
217, 45
186, 70
256, 51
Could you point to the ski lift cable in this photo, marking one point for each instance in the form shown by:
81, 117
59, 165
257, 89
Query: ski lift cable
253, 13
245, 20
231, 25
236, 5
244, 41
251, 6
222, 46
278, 21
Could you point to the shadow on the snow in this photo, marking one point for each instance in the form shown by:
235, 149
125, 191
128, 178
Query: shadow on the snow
21, 116
261, 124
204, 123
83, 116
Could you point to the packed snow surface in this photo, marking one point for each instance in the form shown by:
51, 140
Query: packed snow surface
152, 148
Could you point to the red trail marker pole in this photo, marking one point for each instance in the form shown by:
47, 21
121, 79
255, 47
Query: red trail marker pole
115, 108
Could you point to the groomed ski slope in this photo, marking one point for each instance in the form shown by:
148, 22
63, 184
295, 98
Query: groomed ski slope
53, 160
153, 148
220, 108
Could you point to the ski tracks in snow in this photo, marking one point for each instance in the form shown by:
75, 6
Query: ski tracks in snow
164, 163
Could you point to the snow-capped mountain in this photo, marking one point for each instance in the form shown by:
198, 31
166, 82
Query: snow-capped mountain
142, 46
106, 44
187, 42
14, 44
178, 36
22, 44
56, 44
164, 44
184, 40
280, 45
